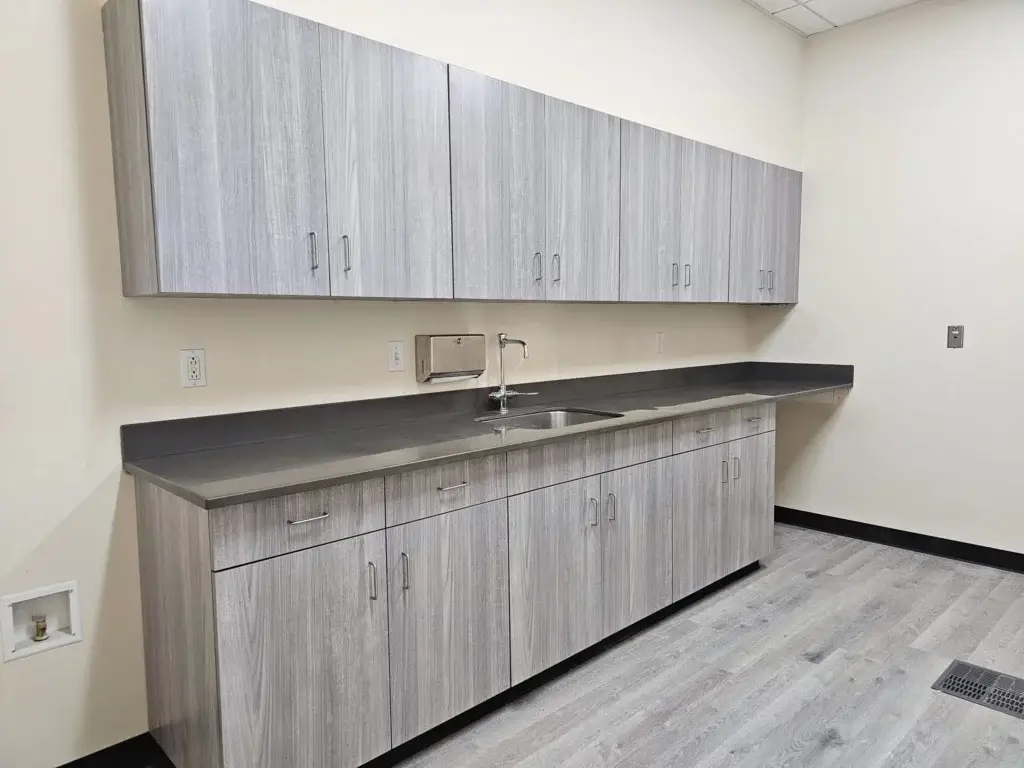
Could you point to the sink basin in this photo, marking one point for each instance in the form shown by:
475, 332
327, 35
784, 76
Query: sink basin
553, 419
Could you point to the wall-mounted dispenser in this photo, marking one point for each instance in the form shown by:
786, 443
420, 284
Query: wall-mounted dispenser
450, 358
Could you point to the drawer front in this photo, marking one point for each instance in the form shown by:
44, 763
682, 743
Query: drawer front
546, 465
261, 529
701, 431
626, 447
444, 488
751, 420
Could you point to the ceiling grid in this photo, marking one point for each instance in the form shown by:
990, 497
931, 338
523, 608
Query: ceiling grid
809, 17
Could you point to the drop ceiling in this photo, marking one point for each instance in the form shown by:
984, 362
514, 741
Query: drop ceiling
809, 17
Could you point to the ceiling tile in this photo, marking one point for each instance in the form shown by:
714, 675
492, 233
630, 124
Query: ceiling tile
846, 11
773, 6
803, 20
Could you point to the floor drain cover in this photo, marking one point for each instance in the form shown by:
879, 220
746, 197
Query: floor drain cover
1002, 693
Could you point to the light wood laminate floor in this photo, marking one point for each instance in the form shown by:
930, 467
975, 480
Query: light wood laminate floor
824, 657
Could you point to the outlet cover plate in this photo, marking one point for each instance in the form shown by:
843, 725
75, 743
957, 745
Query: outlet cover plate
193, 368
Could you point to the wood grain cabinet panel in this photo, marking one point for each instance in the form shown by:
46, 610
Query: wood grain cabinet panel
531, 468
624, 447
388, 169
636, 543
443, 488
256, 530
701, 431
751, 501
765, 249
700, 498
499, 208
302, 656
582, 202
555, 574
236, 140
448, 583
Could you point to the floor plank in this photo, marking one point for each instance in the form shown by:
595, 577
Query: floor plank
823, 658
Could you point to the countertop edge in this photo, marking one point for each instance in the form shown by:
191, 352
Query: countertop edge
542, 438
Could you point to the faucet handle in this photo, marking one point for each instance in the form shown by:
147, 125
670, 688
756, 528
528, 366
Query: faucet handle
514, 393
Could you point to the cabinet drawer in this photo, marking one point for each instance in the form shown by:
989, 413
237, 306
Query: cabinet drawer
261, 529
532, 468
751, 420
446, 487
695, 432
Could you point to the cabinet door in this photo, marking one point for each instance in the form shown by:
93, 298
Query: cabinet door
652, 163
636, 542
237, 148
302, 657
388, 171
498, 202
750, 519
752, 230
448, 581
705, 211
784, 263
582, 164
700, 500
555, 574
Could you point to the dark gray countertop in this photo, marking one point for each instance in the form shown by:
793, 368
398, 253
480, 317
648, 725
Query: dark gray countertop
223, 476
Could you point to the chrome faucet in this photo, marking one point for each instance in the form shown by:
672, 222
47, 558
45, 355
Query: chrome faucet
503, 393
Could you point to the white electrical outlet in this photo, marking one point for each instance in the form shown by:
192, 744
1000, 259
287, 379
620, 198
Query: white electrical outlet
396, 356
193, 367
659, 342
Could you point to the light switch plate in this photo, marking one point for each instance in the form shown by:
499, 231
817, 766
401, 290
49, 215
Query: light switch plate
955, 337
396, 356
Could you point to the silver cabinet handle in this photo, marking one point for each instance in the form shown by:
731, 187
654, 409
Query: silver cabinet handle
593, 512
760, 286
405, 571
538, 267
675, 274
755, 419
705, 430
735, 469
556, 268
725, 471
686, 275
347, 252
452, 487
613, 504
771, 279
373, 581
314, 252
310, 519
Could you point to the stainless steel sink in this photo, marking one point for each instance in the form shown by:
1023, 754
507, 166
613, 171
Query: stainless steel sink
554, 419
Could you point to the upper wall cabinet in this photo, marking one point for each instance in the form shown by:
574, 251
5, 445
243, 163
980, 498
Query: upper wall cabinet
388, 174
675, 218
535, 186
219, 148
765, 233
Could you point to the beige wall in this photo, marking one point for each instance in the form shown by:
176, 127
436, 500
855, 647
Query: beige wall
78, 360
913, 220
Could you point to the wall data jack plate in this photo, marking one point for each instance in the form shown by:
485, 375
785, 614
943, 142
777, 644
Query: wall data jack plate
955, 337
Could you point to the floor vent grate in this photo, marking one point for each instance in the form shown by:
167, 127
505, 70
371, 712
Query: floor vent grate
1002, 693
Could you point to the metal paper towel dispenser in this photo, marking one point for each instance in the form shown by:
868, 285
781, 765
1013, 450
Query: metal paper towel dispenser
450, 358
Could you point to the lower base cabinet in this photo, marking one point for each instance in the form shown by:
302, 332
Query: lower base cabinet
302, 657
448, 594
724, 510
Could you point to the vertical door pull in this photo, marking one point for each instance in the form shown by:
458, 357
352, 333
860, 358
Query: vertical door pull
760, 285
736, 469
405, 571
592, 504
613, 502
314, 252
556, 268
686, 276
725, 471
373, 581
538, 267
347, 252
675, 274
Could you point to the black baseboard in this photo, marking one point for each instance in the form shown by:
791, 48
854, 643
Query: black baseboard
918, 542
138, 752
143, 752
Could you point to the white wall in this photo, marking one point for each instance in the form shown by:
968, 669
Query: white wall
78, 360
913, 220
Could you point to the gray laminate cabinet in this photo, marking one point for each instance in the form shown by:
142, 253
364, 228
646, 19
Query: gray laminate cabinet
675, 212
225, 136
554, 574
448, 584
498, 197
636, 542
724, 508
765, 250
582, 201
302, 657
388, 171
